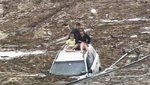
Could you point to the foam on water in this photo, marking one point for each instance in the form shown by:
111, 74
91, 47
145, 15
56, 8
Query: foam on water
7, 55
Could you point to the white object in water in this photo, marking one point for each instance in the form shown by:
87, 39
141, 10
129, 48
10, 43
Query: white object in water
15, 54
93, 11
145, 30
134, 36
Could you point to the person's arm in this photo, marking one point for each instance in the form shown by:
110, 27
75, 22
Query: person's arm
66, 43
88, 39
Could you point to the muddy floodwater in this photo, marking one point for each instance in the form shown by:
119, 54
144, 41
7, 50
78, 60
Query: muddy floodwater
32, 32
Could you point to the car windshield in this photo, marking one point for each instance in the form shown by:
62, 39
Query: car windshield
68, 68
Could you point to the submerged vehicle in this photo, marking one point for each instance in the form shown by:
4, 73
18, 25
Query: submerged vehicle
76, 63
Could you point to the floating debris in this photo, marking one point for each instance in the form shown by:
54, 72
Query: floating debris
138, 19
93, 11
124, 20
144, 30
3, 35
133, 36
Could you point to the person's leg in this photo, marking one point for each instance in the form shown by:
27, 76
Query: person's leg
75, 47
67, 48
86, 47
81, 47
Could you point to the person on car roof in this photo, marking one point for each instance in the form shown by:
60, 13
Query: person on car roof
76, 31
70, 44
84, 40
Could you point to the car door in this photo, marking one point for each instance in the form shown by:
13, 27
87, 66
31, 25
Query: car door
92, 63
93, 60
96, 64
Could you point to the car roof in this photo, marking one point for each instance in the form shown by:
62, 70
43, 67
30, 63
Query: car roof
69, 56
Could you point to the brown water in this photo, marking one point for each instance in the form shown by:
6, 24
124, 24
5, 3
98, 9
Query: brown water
35, 25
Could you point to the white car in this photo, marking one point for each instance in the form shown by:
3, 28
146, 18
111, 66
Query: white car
76, 63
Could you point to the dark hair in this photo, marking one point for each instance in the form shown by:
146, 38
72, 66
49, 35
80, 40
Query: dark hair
65, 24
81, 30
78, 24
71, 35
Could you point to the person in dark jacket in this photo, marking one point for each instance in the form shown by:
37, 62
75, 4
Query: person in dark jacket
84, 40
76, 31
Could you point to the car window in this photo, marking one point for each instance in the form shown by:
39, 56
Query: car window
68, 68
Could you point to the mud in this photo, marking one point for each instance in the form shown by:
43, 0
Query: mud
35, 25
